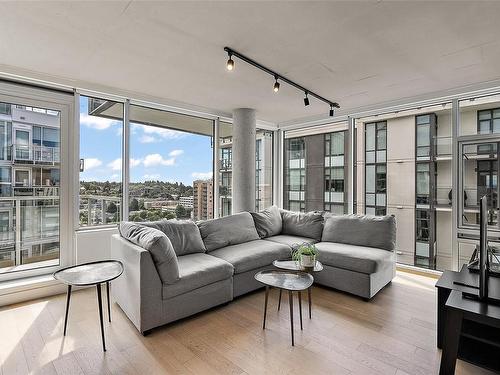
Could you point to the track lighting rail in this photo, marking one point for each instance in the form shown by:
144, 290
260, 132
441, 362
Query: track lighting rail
231, 52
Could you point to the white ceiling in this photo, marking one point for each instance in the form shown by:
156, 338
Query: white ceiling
355, 53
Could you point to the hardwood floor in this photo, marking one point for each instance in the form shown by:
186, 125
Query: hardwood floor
394, 334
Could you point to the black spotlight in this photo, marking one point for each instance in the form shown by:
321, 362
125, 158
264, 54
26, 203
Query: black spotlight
276, 85
306, 100
331, 110
230, 63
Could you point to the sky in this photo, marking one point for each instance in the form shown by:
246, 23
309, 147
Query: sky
155, 153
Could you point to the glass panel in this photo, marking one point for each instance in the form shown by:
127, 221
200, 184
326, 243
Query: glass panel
171, 166
370, 137
29, 212
101, 128
370, 157
381, 137
264, 169
423, 135
370, 179
226, 168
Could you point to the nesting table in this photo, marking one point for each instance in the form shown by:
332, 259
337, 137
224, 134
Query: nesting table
94, 273
292, 265
292, 281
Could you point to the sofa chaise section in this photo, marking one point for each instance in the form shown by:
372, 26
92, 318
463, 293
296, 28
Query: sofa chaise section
357, 253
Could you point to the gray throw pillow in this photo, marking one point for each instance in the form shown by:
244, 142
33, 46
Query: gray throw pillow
302, 224
268, 222
361, 230
228, 230
184, 235
158, 245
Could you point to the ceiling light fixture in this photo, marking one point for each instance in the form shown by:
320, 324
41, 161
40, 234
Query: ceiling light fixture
276, 87
230, 62
230, 66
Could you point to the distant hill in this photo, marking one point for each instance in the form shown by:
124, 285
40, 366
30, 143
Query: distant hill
146, 189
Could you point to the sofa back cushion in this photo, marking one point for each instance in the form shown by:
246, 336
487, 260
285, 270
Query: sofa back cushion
228, 230
158, 245
184, 235
268, 222
302, 224
361, 230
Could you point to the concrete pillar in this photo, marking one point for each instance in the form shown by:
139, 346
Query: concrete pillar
243, 167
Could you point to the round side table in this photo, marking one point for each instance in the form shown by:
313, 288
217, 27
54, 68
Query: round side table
285, 280
292, 265
94, 273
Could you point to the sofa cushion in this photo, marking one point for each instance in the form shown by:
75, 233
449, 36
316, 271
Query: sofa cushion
196, 271
290, 240
251, 255
362, 230
184, 235
302, 224
157, 244
268, 222
361, 259
228, 230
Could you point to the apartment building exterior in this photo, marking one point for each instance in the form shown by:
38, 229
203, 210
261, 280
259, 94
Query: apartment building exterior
263, 172
29, 185
315, 170
203, 199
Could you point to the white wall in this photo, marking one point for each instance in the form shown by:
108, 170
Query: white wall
93, 244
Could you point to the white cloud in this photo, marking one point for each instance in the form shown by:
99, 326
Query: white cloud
91, 163
115, 177
175, 153
202, 175
95, 122
151, 177
153, 160
116, 165
148, 139
135, 162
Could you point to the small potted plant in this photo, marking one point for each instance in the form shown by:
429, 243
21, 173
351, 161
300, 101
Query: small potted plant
305, 254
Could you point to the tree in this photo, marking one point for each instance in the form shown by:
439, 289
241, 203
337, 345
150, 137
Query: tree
134, 205
112, 208
180, 211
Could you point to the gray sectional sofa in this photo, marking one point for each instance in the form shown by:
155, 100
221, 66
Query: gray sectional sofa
173, 269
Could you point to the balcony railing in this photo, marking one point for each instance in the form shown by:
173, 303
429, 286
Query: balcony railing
29, 230
225, 164
99, 210
35, 154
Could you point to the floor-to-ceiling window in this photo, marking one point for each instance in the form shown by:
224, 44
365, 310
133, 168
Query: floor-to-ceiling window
478, 145
101, 132
295, 174
335, 176
263, 169
30, 180
170, 165
376, 168
225, 168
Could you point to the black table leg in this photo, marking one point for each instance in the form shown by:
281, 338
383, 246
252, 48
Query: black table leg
290, 298
442, 296
67, 309
300, 309
451, 340
310, 300
99, 302
279, 300
109, 302
265, 307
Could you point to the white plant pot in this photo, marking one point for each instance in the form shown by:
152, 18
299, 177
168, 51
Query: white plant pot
308, 260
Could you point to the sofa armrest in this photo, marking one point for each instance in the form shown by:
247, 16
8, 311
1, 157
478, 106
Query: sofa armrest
138, 290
